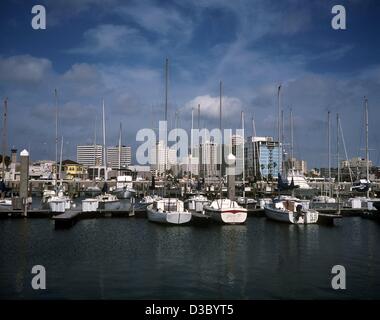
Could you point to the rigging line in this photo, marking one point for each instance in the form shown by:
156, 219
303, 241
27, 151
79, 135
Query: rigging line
345, 150
361, 132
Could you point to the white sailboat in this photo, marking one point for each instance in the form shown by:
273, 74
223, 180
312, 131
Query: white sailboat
226, 211
290, 211
197, 202
168, 211
90, 205
60, 202
124, 187
108, 202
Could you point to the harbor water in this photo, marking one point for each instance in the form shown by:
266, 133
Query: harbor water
130, 258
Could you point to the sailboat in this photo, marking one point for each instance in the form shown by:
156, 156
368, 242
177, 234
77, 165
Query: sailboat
196, 203
324, 199
124, 189
290, 211
294, 178
60, 202
226, 211
124, 186
364, 184
168, 210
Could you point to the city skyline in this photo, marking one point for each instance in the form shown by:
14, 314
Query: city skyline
116, 50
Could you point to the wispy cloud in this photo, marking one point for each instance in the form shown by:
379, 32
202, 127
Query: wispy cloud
23, 69
231, 106
112, 39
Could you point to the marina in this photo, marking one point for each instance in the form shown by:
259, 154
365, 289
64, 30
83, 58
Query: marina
189, 150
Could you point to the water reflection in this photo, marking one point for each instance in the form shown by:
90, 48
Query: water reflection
132, 258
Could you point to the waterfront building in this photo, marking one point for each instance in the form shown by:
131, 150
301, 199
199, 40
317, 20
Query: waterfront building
189, 165
73, 170
299, 166
113, 157
208, 155
357, 166
262, 157
237, 150
42, 169
162, 158
90, 155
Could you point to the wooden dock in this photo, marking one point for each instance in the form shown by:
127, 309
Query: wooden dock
200, 219
346, 212
66, 219
31, 213
328, 218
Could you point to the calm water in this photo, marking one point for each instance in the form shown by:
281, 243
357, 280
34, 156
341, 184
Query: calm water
133, 259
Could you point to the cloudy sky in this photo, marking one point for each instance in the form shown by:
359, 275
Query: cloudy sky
111, 49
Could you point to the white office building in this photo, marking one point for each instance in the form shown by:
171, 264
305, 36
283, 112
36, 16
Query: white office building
162, 157
113, 157
90, 155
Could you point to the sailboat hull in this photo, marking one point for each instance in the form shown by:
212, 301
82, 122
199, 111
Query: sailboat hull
227, 216
310, 217
124, 193
171, 217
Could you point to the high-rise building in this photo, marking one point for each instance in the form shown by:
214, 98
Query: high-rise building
162, 157
90, 155
299, 166
208, 155
237, 150
262, 157
189, 164
113, 157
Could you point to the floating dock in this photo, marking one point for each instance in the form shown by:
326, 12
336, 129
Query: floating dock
66, 219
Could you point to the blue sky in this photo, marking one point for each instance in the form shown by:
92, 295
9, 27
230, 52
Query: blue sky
116, 49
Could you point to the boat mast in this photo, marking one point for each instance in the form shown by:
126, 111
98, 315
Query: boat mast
95, 148
4, 136
254, 146
56, 135
119, 156
278, 127
329, 150
243, 176
176, 133
104, 144
282, 143
191, 144
166, 110
60, 161
221, 146
337, 157
199, 148
366, 142
291, 141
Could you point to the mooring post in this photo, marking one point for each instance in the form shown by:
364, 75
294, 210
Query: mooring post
24, 180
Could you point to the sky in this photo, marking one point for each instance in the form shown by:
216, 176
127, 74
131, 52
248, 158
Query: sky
115, 50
